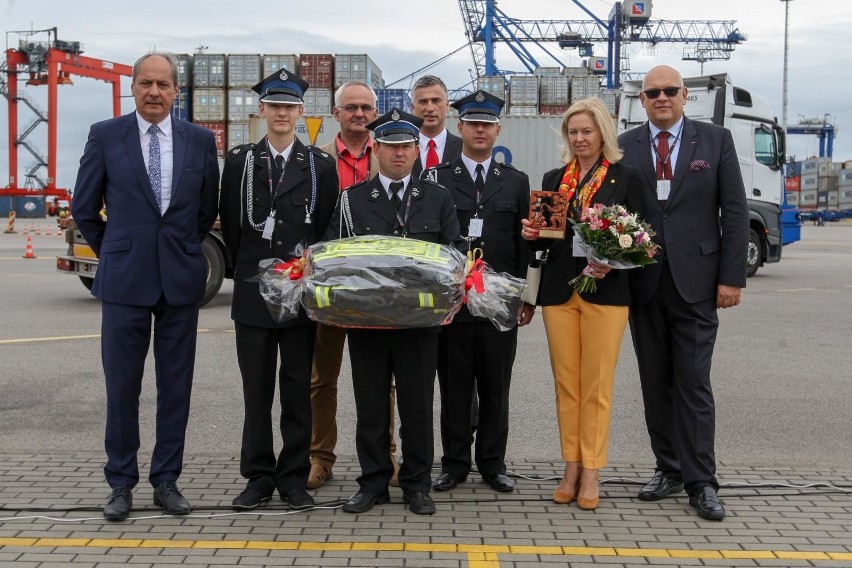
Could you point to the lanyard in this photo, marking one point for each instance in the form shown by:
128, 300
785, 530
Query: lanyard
274, 190
403, 220
672, 147
356, 174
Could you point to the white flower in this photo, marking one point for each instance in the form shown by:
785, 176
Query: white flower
624, 241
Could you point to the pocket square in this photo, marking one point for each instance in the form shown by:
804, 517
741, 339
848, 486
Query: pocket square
698, 165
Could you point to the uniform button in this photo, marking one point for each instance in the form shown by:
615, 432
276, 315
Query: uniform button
481, 206
665, 215
369, 229
425, 226
396, 232
280, 222
279, 243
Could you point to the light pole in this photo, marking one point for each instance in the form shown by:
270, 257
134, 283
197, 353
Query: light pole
786, 57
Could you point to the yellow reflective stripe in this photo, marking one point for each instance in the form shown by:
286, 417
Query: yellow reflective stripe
322, 295
426, 300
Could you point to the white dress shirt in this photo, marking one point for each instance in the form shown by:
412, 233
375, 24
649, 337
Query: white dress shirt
167, 156
675, 139
440, 144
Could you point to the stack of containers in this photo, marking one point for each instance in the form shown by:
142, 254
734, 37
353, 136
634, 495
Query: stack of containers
793, 183
494, 84
318, 70
393, 98
523, 95
815, 183
182, 106
276, 62
244, 71
844, 186
554, 91
349, 67
209, 97
584, 87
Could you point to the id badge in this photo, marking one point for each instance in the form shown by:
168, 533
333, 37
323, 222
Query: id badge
475, 228
664, 187
268, 227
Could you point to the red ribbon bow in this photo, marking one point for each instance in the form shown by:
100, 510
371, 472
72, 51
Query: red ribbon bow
292, 268
474, 278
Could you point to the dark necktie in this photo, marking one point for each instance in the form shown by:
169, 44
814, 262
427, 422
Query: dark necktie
480, 180
664, 164
279, 166
431, 155
396, 200
154, 166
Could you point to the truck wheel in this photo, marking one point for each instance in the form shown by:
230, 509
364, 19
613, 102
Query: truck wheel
87, 282
215, 268
754, 253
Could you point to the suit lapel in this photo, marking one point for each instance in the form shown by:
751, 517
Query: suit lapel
133, 147
379, 202
461, 179
608, 185
493, 183
261, 167
684, 157
645, 153
179, 142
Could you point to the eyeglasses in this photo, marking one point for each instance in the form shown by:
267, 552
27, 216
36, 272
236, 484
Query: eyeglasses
352, 109
655, 93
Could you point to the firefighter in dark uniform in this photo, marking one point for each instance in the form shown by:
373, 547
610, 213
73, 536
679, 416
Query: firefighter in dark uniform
275, 195
474, 357
395, 203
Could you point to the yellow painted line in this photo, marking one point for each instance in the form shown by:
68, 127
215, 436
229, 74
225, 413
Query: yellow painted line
90, 336
478, 555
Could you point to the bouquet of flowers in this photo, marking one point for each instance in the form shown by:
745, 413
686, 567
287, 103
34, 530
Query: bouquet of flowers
611, 235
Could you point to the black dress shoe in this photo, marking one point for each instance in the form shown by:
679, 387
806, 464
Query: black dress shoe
500, 482
362, 502
707, 503
168, 496
419, 503
661, 486
298, 498
119, 503
447, 481
249, 499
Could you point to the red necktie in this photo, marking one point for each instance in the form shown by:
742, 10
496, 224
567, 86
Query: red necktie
664, 164
431, 155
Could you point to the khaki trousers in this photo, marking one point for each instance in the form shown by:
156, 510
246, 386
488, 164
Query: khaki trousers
584, 341
328, 357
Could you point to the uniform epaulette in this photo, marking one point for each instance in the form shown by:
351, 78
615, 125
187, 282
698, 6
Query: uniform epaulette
359, 184
321, 153
511, 167
429, 181
241, 149
441, 165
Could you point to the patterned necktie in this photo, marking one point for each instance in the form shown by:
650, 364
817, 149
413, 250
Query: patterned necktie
396, 200
664, 165
431, 155
480, 180
154, 167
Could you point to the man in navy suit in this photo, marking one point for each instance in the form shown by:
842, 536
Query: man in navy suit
158, 178
430, 101
695, 201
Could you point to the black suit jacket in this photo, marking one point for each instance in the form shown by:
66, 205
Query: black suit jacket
452, 151
620, 186
246, 245
703, 226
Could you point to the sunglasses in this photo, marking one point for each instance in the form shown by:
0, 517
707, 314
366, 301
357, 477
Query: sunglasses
655, 93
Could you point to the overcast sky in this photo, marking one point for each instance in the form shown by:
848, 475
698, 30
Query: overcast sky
401, 38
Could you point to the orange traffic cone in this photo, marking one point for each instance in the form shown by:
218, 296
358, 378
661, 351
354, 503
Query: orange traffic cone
26, 231
38, 230
29, 251
49, 233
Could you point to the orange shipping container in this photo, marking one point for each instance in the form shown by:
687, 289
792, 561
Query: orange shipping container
793, 183
218, 129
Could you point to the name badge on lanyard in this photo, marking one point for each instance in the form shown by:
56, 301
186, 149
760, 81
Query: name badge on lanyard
664, 187
269, 226
475, 228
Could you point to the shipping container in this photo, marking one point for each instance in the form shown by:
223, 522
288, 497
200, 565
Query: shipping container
822, 199
793, 198
7, 205
238, 133
610, 100
208, 105
552, 109
393, 98
522, 110
276, 62
218, 129
794, 169
827, 183
548, 71
317, 69
318, 101
208, 70
494, 84
832, 199
182, 105
554, 90
809, 182
183, 61
27, 207
576, 71
812, 165
242, 103
808, 199
845, 177
523, 90
352, 67
244, 70
584, 87
793, 184
845, 197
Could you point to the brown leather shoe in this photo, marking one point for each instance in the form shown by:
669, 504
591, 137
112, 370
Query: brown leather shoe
320, 473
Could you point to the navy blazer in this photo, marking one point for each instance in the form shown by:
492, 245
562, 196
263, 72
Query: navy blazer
144, 255
620, 186
703, 226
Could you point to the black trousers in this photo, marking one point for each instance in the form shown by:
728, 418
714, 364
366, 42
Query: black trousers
474, 358
258, 351
674, 343
409, 357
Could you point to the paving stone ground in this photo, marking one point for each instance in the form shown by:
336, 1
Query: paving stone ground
51, 516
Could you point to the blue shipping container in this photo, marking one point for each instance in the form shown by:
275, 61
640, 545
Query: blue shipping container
30, 207
182, 107
7, 205
393, 98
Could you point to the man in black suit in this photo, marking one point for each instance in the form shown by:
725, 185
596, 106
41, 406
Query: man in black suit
430, 102
695, 201
276, 194
395, 203
475, 358
157, 176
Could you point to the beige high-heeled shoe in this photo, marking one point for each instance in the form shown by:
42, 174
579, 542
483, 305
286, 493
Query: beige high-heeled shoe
565, 497
588, 478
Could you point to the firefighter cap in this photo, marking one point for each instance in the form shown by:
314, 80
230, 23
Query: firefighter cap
396, 127
282, 87
479, 106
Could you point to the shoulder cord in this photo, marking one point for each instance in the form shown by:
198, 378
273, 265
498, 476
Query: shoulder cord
345, 214
313, 205
249, 185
